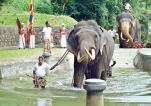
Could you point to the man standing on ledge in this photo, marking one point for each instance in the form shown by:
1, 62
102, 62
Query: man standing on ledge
46, 37
39, 73
22, 36
63, 36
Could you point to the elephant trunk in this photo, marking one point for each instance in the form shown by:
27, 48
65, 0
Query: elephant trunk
125, 26
86, 53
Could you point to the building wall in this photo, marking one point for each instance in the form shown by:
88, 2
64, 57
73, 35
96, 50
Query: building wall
9, 35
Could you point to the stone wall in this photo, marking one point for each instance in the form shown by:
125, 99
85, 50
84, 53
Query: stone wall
143, 59
9, 36
17, 68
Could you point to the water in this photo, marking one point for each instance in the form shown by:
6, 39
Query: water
127, 87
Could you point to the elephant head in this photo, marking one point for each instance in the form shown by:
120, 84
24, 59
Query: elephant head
86, 42
126, 23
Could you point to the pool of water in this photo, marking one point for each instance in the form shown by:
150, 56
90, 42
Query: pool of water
127, 87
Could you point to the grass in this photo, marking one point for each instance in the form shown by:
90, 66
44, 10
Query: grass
39, 19
20, 52
8, 17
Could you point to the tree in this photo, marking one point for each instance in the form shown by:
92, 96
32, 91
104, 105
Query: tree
1, 2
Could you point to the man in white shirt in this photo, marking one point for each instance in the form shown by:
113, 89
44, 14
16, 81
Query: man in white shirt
112, 63
113, 33
39, 73
46, 37
127, 6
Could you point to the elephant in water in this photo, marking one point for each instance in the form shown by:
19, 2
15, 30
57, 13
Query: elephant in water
128, 29
93, 49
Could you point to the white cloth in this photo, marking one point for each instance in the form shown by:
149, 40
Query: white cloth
113, 33
127, 6
63, 41
21, 41
41, 70
112, 60
32, 41
47, 31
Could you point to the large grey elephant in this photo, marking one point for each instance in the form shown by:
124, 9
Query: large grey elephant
93, 49
128, 29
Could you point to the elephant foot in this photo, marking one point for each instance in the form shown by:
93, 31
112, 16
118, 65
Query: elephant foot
77, 85
109, 73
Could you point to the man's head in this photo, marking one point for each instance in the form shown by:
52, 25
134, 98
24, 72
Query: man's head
41, 59
124, 3
63, 24
47, 23
111, 28
22, 24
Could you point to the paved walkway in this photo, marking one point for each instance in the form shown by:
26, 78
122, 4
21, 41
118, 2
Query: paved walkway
124, 57
56, 54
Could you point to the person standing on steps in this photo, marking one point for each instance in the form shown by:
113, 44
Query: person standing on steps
63, 36
22, 37
31, 37
46, 37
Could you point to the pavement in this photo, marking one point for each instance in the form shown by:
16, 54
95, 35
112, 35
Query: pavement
124, 57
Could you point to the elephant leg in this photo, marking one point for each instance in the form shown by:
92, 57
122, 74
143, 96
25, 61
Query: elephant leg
103, 75
102, 65
79, 70
120, 40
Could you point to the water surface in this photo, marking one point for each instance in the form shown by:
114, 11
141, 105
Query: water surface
127, 87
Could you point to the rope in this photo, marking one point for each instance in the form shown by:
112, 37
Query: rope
61, 59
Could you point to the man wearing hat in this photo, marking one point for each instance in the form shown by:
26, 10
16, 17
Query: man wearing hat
63, 36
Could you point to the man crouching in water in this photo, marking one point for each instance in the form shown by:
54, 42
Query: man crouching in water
39, 73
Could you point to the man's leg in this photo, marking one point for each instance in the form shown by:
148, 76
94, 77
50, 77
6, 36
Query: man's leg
45, 45
49, 44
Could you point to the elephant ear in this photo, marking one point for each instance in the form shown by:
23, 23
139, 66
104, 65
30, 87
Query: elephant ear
133, 23
71, 43
102, 43
118, 21
102, 40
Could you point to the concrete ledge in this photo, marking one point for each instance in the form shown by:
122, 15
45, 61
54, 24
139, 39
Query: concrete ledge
142, 59
12, 67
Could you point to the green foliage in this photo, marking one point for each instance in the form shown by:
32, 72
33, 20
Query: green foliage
1, 1
39, 19
103, 11
19, 52
42, 6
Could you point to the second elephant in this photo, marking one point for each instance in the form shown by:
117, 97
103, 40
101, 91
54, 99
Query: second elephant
128, 29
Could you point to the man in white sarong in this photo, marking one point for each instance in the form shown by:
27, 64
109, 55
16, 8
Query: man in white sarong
63, 36
31, 38
22, 37
46, 37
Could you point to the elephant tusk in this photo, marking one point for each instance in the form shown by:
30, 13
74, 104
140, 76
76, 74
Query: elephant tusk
123, 38
127, 40
92, 57
81, 59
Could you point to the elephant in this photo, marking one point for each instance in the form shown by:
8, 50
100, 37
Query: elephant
128, 29
92, 47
